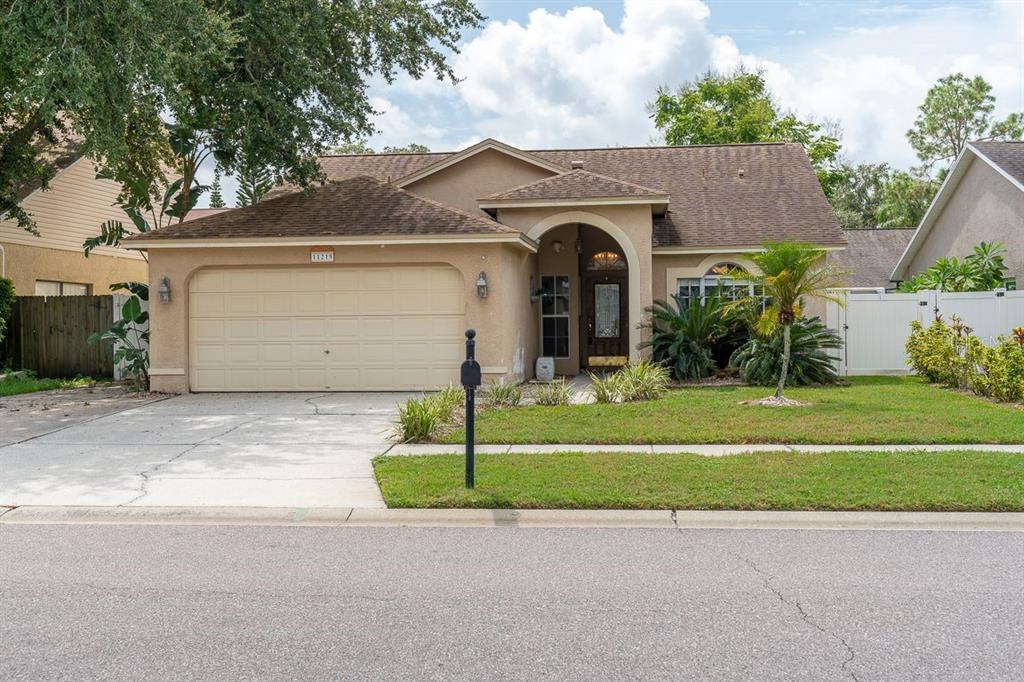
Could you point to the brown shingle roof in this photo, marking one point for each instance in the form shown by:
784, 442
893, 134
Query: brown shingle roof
871, 255
778, 196
358, 206
575, 184
1007, 155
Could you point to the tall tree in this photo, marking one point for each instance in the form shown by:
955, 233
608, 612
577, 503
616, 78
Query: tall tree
216, 198
739, 108
93, 77
956, 110
856, 194
253, 182
904, 200
267, 82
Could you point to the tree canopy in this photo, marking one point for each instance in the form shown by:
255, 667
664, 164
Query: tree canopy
265, 83
363, 147
738, 108
957, 110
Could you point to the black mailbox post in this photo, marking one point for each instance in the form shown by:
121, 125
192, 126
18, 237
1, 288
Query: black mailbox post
470, 381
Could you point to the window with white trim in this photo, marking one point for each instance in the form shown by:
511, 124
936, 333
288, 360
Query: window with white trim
555, 316
49, 288
691, 289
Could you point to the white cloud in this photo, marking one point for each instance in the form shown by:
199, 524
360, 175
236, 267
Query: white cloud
571, 79
872, 80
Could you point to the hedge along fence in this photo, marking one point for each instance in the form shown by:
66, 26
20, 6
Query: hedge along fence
47, 334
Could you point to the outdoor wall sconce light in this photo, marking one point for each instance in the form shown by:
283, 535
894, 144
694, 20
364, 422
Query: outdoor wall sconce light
481, 285
557, 246
534, 292
165, 290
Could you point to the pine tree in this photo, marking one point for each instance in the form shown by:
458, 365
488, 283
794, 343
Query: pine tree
216, 200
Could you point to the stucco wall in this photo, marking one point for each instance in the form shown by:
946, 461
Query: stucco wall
26, 264
498, 319
634, 221
476, 177
984, 206
67, 214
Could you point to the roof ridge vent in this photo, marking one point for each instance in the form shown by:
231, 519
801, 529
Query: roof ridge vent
576, 165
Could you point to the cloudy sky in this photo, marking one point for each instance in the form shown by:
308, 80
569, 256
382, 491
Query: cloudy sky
559, 73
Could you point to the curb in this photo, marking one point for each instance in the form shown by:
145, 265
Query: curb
524, 518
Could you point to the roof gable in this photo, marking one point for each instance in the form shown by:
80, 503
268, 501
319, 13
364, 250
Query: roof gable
1006, 158
484, 145
576, 184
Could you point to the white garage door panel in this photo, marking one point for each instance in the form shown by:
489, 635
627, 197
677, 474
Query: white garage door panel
338, 328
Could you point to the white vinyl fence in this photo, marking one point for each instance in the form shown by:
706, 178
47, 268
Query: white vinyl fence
875, 326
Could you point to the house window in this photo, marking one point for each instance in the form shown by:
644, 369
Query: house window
49, 288
555, 316
690, 289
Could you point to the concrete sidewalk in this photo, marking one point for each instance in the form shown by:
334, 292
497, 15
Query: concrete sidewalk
518, 518
706, 449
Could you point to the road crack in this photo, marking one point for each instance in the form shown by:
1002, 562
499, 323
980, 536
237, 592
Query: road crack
316, 408
766, 579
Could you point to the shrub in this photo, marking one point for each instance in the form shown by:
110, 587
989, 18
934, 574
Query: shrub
554, 393
421, 419
502, 394
683, 335
999, 371
760, 359
939, 352
642, 381
605, 388
983, 270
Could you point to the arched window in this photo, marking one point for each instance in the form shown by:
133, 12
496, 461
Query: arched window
606, 260
715, 279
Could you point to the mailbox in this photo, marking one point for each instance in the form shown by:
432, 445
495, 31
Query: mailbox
471, 374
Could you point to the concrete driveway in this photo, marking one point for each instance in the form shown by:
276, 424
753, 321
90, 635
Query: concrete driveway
251, 450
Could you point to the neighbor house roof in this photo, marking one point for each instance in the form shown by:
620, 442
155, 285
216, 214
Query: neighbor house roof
355, 207
197, 213
722, 195
1006, 158
870, 256
575, 184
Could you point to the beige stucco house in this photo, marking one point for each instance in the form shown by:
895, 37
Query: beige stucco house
70, 211
982, 199
369, 282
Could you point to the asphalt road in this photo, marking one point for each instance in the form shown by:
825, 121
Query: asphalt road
140, 602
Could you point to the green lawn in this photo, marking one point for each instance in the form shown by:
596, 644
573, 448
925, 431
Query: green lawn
948, 481
870, 410
15, 384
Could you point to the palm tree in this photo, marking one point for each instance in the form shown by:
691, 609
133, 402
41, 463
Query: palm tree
789, 272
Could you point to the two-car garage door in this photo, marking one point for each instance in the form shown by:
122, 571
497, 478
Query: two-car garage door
325, 328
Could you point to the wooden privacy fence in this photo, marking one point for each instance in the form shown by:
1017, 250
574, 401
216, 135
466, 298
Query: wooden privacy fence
47, 334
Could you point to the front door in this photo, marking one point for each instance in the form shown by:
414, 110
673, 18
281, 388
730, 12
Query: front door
607, 327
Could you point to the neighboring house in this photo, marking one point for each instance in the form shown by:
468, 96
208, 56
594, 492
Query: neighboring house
197, 213
870, 256
982, 199
66, 214
369, 282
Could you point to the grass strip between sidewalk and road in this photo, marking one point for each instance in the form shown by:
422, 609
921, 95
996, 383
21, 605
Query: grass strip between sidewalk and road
871, 410
844, 481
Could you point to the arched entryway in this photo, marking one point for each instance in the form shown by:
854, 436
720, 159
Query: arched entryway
590, 306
